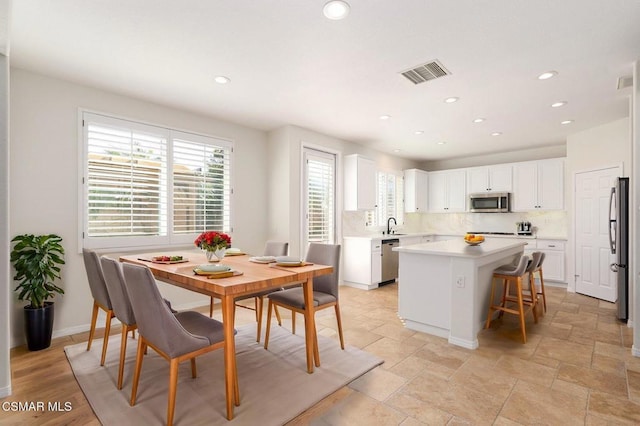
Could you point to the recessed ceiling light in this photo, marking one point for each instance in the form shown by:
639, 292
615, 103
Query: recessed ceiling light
558, 104
566, 122
451, 100
336, 9
221, 79
397, 150
547, 75
442, 143
478, 120
419, 132
384, 117
496, 133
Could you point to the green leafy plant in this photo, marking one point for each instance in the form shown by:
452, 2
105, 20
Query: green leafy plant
37, 260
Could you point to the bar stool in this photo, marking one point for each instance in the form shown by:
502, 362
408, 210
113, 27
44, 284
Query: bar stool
514, 274
540, 290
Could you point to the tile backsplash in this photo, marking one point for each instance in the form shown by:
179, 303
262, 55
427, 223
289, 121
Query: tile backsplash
549, 224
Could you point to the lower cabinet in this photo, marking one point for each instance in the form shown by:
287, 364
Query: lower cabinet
553, 268
362, 262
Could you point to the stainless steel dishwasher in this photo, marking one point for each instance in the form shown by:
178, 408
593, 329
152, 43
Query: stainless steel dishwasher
389, 260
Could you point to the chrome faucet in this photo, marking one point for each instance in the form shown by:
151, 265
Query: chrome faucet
388, 226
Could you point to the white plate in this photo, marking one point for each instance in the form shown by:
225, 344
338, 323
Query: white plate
262, 259
213, 268
296, 263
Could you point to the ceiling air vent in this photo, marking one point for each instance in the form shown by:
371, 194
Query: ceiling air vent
425, 72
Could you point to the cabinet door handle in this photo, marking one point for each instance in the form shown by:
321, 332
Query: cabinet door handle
551, 245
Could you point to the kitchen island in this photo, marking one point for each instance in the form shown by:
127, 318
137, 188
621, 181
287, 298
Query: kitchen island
444, 286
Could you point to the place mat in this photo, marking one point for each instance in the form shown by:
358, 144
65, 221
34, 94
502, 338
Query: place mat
274, 385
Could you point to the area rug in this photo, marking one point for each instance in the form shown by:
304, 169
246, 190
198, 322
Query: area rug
274, 385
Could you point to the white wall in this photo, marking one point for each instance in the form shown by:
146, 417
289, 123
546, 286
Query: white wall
635, 202
5, 275
285, 214
604, 146
45, 173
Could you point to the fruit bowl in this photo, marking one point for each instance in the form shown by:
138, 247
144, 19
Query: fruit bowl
474, 243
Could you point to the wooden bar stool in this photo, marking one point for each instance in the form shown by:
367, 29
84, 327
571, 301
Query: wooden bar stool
540, 289
509, 274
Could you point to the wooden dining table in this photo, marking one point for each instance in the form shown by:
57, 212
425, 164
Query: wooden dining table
252, 278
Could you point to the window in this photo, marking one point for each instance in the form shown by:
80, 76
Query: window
319, 194
389, 199
148, 185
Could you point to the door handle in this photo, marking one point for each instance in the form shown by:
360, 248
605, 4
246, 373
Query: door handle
614, 267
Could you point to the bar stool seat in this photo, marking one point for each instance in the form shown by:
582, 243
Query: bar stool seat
514, 274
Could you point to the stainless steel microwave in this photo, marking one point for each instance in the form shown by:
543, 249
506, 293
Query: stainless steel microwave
490, 202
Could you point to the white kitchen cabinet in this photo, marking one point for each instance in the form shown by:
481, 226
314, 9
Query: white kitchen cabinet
538, 185
496, 178
359, 183
362, 262
553, 268
416, 189
447, 191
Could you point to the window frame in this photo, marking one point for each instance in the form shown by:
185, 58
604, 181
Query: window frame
373, 221
142, 242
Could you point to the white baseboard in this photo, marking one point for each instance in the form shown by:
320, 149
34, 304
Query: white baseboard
100, 323
360, 286
5, 391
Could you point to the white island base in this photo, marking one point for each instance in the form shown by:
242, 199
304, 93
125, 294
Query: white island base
444, 286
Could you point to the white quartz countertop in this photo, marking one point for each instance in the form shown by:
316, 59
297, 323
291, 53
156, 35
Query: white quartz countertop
459, 248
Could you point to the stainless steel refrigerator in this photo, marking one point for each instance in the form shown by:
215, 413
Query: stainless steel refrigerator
619, 242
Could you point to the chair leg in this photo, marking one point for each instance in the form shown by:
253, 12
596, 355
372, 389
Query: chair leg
194, 370
211, 307
293, 322
505, 292
275, 308
133, 333
142, 346
491, 308
173, 384
94, 318
339, 321
259, 306
123, 350
107, 330
316, 349
544, 296
266, 335
255, 307
521, 309
534, 297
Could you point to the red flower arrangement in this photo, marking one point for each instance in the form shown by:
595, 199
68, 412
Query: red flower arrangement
212, 241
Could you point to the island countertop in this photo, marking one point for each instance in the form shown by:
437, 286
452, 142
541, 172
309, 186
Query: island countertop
458, 248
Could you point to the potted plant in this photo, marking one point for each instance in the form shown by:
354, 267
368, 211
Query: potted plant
214, 244
36, 260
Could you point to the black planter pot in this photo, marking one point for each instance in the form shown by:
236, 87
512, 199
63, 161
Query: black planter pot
38, 325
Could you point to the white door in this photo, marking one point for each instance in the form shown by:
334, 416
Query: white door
319, 193
593, 256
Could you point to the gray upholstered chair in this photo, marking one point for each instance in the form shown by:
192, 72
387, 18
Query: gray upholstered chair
325, 290
101, 299
114, 279
271, 248
176, 338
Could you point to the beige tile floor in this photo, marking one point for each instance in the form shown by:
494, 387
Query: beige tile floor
576, 368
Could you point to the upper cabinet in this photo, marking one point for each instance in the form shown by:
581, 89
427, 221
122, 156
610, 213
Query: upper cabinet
496, 178
447, 191
359, 183
538, 185
416, 189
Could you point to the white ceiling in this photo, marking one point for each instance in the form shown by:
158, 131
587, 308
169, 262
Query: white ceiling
290, 65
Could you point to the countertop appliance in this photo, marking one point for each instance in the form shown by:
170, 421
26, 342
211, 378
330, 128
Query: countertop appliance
619, 242
489, 202
524, 228
389, 271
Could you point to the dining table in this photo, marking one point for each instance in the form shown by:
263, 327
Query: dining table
249, 277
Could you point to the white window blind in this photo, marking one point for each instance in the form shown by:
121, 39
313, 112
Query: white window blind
147, 185
389, 201
320, 194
